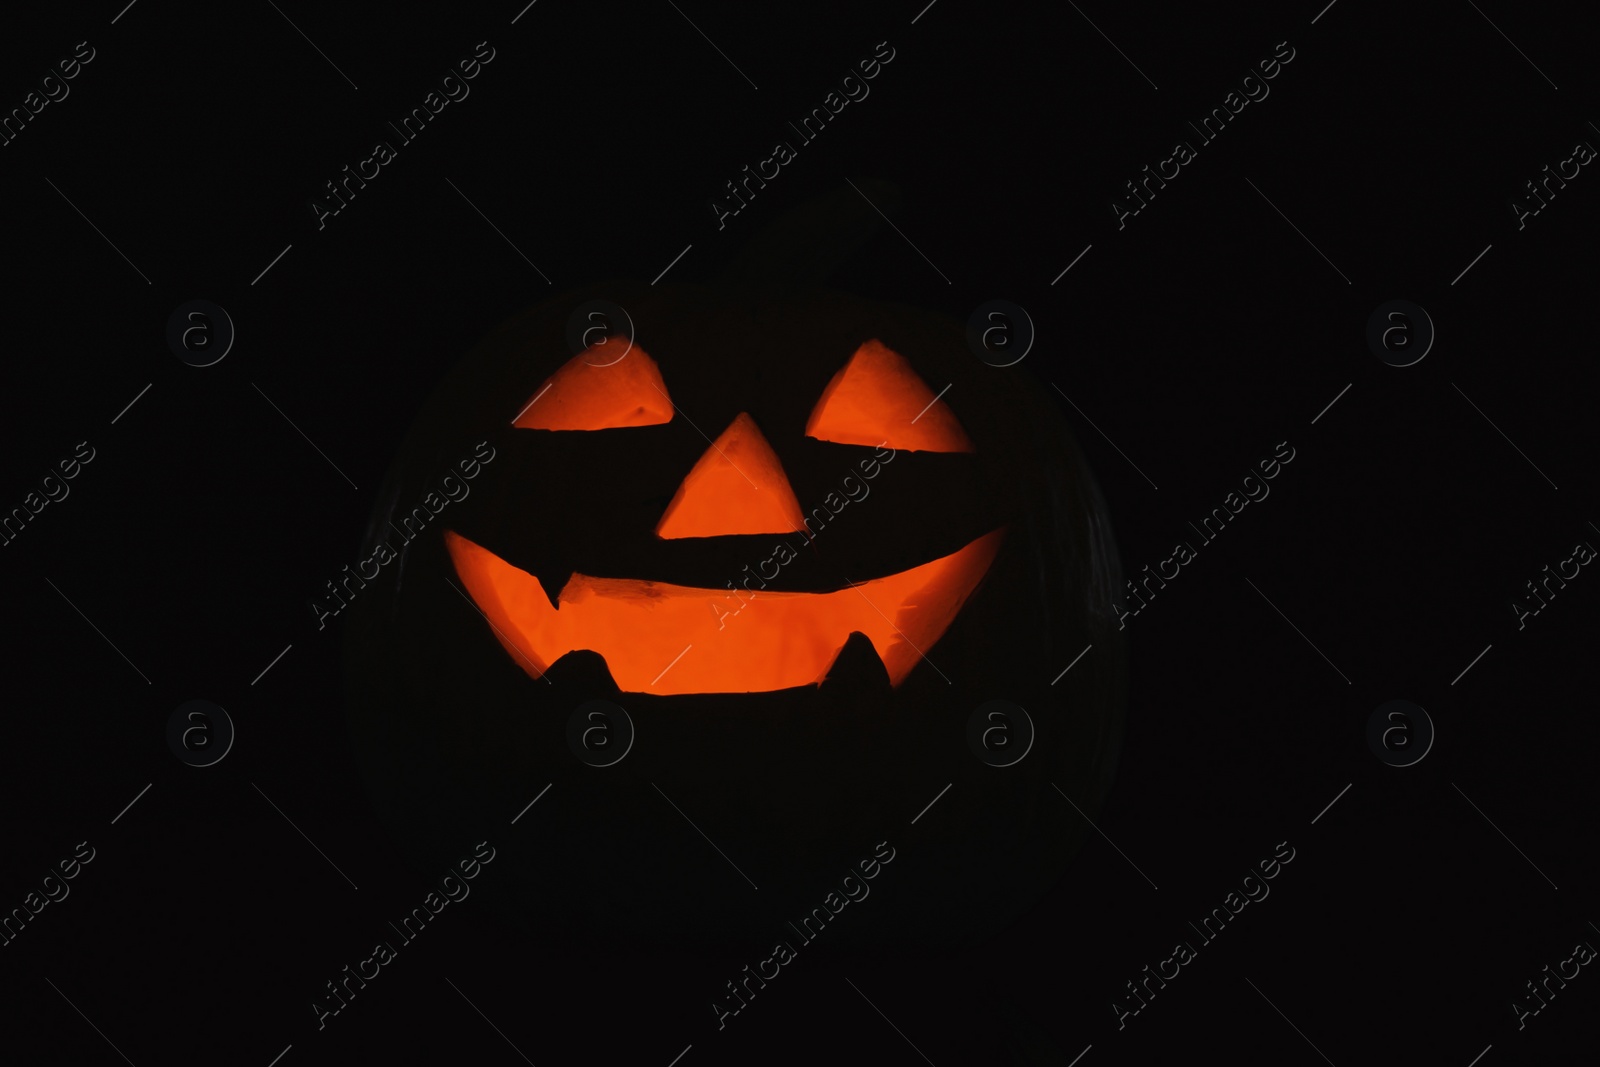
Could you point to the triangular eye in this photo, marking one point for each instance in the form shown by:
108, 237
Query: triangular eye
592, 391
878, 399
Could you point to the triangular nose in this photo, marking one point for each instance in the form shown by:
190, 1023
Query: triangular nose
737, 487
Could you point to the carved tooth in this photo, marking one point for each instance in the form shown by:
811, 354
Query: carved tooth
583, 670
856, 669
551, 581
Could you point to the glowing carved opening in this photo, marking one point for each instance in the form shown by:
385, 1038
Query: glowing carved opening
737, 487
775, 641
877, 398
595, 390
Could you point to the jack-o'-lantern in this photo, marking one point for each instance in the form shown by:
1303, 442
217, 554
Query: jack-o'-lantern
799, 537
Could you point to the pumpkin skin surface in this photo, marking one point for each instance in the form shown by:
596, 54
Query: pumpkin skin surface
820, 697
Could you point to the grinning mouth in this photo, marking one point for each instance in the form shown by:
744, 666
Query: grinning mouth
674, 639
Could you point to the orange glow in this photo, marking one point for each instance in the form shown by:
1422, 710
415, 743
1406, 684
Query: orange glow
876, 399
737, 487
596, 390
776, 641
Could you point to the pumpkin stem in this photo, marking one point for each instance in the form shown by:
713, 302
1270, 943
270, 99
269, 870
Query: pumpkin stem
807, 243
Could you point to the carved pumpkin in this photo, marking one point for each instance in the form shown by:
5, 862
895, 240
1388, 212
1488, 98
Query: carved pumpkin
648, 632
691, 532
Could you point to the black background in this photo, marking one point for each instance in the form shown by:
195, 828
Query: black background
1197, 338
